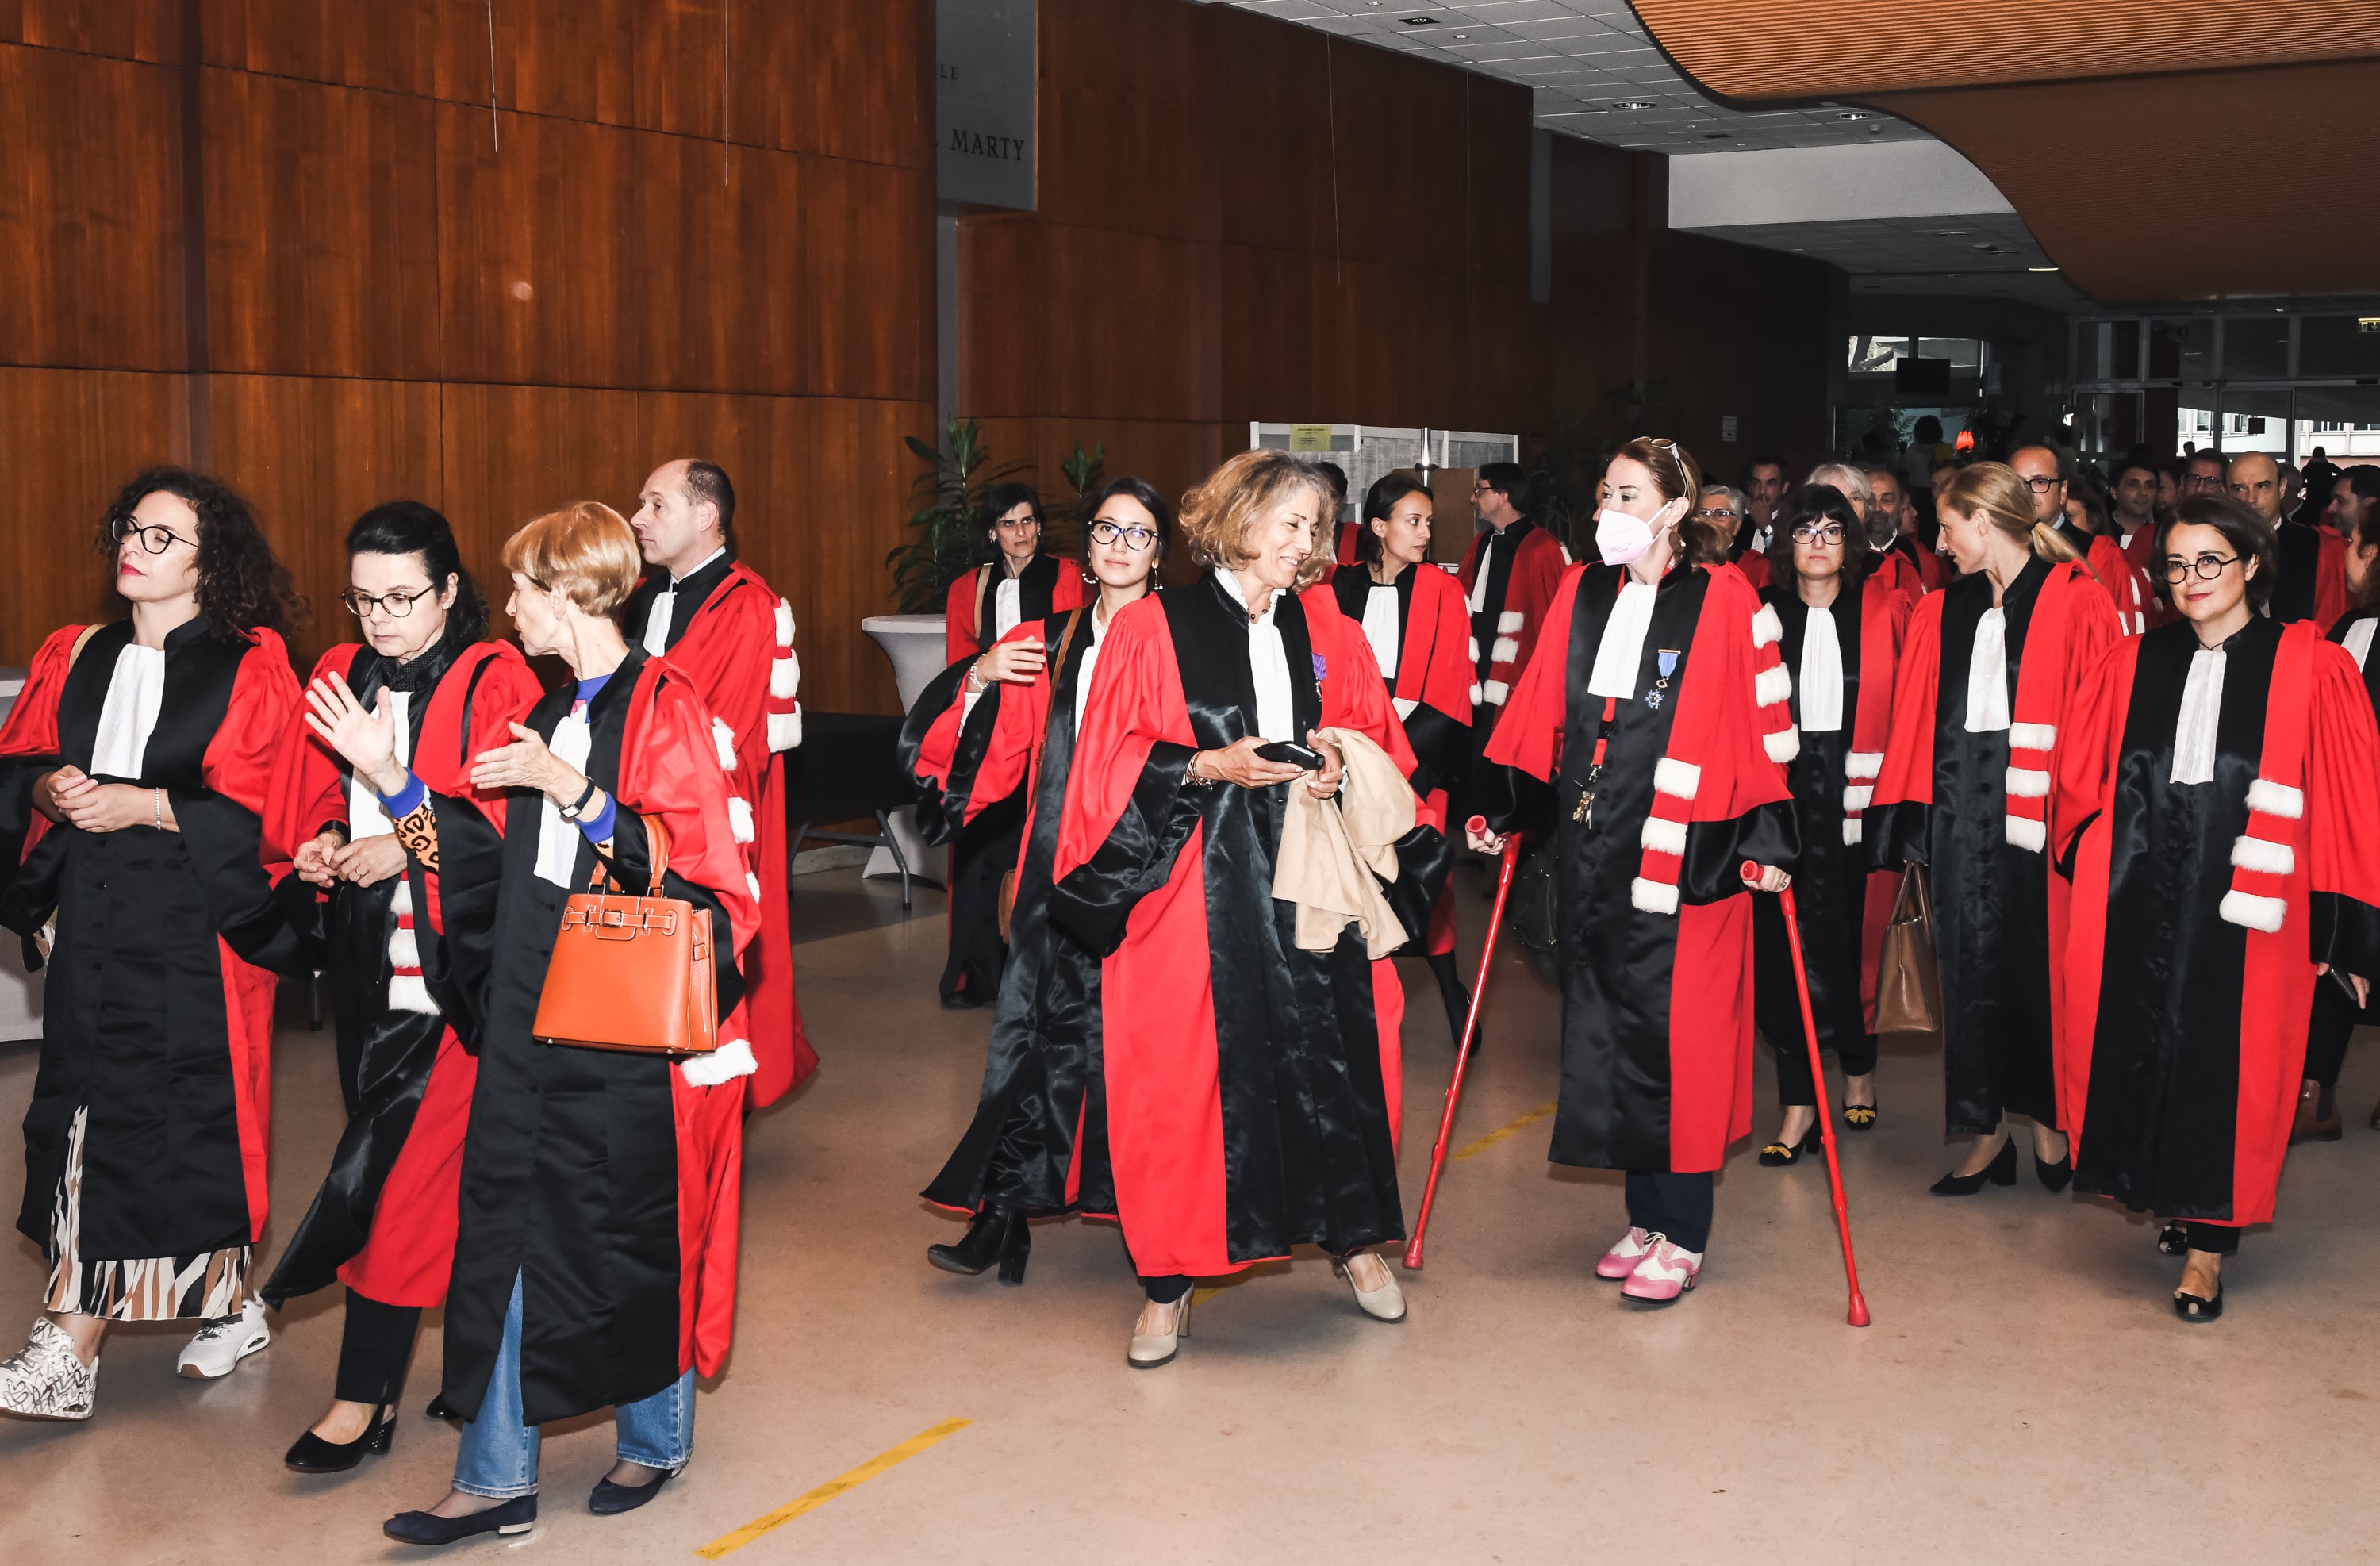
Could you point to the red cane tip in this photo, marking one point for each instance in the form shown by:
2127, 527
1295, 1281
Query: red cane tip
1413, 1256
1859, 1311
1478, 824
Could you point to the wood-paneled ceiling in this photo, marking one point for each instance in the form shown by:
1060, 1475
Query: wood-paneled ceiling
2159, 150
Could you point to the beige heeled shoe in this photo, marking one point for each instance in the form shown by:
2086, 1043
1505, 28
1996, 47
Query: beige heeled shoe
1386, 1303
1150, 1350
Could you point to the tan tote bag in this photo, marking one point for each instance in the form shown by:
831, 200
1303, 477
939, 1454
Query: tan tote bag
1908, 978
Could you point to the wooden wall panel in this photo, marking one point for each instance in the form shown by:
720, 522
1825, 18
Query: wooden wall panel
311, 455
1125, 120
1270, 129
90, 212
862, 282
125, 30
77, 435
857, 63
322, 230
1400, 137
384, 44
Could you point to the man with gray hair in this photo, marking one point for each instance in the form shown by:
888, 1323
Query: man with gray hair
2312, 575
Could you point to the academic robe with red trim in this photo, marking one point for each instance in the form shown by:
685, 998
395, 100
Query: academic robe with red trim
1254, 1089
157, 1018
383, 1220
2312, 575
2127, 583
1656, 922
1039, 1138
1523, 575
605, 1180
2201, 910
1972, 806
1047, 585
1836, 896
1898, 572
738, 649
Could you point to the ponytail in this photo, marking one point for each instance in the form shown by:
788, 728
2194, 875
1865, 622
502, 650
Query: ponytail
1994, 489
2050, 544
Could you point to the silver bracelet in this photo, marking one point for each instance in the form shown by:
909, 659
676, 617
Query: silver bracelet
160, 807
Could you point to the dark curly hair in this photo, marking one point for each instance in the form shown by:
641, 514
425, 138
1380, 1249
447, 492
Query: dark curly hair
1814, 505
242, 584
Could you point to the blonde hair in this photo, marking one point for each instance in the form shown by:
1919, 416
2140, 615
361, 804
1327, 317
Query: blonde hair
1678, 477
1997, 490
586, 551
1218, 517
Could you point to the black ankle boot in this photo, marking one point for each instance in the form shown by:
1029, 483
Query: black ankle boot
1457, 999
997, 1234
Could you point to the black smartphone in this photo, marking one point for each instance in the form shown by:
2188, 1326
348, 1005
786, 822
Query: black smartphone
1291, 754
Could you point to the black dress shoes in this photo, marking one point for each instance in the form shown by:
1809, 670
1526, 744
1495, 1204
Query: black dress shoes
2189, 1307
998, 1234
313, 1454
609, 1499
517, 1515
438, 1409
2057, 1176
2001, 1170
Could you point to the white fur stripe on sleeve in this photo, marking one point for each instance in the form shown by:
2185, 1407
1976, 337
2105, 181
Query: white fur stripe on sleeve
723, 737
2027, 834
2263, 855
752, 884
1495, 692
1863, 763
1475, 655
785, 624
1772, 685
1851, 830
1653, 896
1477, 695
1664, 837
407, 992
1679, 780
784, 677
739, 817
400, 902
1505, 650
1783, 745
2032, 736
784, 730
1766, 626
2254, 913
2027, 783
730, 1060
405, 951
1856, 796
2276, 799
1508, 623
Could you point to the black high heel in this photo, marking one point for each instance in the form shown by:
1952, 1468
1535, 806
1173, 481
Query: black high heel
1457, 996
313, 1454
2001, 1170
2057, 1176
1777, 1155
998, 1233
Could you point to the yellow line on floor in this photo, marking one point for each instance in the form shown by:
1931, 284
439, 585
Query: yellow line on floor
727, 1544
1526, 1120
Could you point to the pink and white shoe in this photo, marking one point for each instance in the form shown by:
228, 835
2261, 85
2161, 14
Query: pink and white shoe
1622, 1258
1664, 1274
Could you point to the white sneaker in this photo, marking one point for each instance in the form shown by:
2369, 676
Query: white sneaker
221, 1345
1384, 1302
44, 1380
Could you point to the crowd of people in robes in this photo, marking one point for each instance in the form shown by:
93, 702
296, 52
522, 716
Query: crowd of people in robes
1197, 789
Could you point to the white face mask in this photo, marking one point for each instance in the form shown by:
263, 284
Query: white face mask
1619, 538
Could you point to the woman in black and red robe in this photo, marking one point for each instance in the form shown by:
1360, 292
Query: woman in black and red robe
133, 770
383, 1222
993, 726
595, 1247
1414, 617
1657, 709
1841, 624
1253, 1085
2214, 806
1993, 668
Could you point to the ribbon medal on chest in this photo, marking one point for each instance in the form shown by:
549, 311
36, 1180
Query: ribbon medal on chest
1666, 660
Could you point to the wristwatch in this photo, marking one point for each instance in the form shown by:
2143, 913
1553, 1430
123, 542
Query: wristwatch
570, 811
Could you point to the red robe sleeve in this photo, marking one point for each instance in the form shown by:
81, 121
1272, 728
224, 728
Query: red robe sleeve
31, 731
304, 792
2127, 590
1529, 735
1433, 666
1906, 774
2343, 830
1072, 591
1353, 695
1529, 589
2081, 817
958, 614
989, 751
2330, 596
1135, 706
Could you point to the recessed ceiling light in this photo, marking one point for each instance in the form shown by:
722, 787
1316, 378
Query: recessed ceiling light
1633, 103
1856, 114
1418, 21
2041, 269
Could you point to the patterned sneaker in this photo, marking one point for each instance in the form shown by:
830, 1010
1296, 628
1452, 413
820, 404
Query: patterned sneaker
1621, 1259
220, 1346
45, 1379
1664, 1274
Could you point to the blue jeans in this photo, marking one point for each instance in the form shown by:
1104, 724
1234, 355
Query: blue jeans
498, 1458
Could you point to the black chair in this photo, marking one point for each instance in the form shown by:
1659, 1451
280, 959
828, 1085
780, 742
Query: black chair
848, 764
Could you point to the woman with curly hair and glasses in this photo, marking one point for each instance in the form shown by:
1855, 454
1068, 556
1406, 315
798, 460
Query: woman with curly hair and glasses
133, 770
1250, 1041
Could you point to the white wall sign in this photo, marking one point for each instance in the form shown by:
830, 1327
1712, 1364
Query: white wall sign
985, 87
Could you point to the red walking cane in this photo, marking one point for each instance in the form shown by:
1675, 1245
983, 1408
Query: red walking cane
1470, 1027
1858, 1317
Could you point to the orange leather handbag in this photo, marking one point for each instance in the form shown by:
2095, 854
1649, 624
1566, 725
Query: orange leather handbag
632, 973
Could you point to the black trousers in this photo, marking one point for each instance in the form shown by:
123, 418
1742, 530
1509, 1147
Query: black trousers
1793, 1084
2222, 1239
374, 1348
986, 851
2327, 1031
1678, 1205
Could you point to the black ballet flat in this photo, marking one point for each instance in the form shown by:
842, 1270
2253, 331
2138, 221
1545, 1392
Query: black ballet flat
1858, 1117
2189, 1307
2174, 1241
2057, 1176
313, 1454
998, 1234
1777, 1155
517, 1515
2001, 1170
438, 1409
609, 1499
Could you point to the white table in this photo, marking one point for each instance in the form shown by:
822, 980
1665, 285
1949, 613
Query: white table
918, 645
20, 992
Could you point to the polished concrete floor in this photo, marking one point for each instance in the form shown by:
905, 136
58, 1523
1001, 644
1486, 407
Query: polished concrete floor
2025, 1394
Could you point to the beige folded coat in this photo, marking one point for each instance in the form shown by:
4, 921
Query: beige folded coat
1335, 853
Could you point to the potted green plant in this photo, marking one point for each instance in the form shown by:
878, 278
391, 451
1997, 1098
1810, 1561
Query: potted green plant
948, 491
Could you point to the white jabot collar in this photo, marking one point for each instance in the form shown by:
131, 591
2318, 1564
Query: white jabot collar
1987, 691
1268, 665
1622, 652
1821, 680
2202, 712
2358, 641
136, 694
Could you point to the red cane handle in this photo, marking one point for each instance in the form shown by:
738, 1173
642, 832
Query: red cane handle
1751, 870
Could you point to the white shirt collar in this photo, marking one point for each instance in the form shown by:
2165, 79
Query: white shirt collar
1232, 586
675, 578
